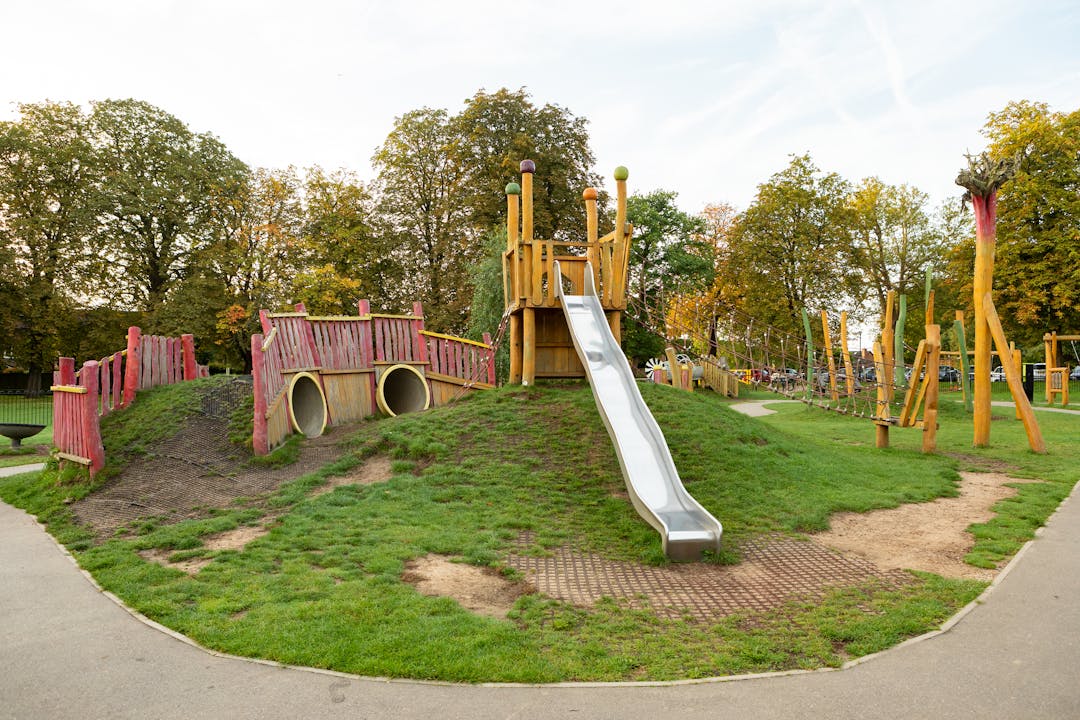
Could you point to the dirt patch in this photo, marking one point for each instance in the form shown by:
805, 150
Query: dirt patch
481, 590
929, 536
161, 557
375, 470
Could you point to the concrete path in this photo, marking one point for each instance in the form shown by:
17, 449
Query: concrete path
69, 651
1037, 408
757, 408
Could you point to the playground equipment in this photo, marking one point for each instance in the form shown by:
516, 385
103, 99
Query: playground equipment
1057, 372
540, 345
81, 399
310, 372
565, 312
656, 491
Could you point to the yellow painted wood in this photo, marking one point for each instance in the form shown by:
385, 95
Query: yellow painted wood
74, 389
882, 412
466, 341
287, 314
269, 339
910, 409
72, 458
888, 335
930, 411
528, 347
349, 318
829, 356
1012, 376
396, 317
849, 373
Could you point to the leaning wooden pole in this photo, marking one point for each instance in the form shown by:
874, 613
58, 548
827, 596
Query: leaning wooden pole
981, 179
1012, 376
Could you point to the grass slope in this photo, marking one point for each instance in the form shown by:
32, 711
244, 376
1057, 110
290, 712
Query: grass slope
324, 587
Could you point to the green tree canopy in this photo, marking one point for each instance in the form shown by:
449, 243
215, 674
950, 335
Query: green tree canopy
1037, 264
47, 211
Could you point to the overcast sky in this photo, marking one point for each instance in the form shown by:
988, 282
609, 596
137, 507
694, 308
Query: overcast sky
704, 98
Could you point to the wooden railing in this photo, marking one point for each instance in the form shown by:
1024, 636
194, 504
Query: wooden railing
81, 399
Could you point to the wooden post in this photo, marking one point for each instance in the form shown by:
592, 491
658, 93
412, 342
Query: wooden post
930, 411
1050, 358
848, 373
528, 347
188, 343
826, 339
985, 238
132, 364
91, 422
888, 379
621, 248
897, 350
1012, 376
592, 233
674, 367
515, 349
536, 269
809, 392
881, 422
512, 267
258, 380
965, 363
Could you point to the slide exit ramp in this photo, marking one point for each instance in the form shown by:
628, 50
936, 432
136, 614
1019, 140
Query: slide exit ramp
686, 529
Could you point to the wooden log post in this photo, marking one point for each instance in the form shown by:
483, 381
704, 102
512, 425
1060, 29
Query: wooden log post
511, 265
91, 421
930, 411
965, 363
848, 371
882, 413
809, 390
1012, 376
827, 341
1050, 358
536, 269
528, 347
132, 365
621, 250
592, 233
258, 377
897, 351
190, 370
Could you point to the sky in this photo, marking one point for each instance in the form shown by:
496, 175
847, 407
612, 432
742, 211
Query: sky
708, 99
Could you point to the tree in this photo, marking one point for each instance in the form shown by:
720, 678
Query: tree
162, 186
792, 246
248, 264
1037, 265
420, 186
494, 132
47, 210
894, 239
668, 257
348, 253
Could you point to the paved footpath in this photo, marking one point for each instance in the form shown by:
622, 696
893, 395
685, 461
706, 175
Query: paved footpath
69, 651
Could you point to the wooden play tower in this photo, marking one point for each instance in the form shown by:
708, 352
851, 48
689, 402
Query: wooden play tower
540, 343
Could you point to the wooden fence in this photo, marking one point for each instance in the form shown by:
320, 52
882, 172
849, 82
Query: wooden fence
81, 399
346, 354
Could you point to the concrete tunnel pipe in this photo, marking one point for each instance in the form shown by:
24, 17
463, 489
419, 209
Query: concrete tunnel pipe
402, 389
307, 405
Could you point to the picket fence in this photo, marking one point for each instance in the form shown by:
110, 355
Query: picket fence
81, 399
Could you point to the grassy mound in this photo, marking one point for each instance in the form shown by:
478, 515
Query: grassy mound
324, 587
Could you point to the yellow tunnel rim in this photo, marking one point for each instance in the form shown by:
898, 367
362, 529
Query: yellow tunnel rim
292, 414
380, 399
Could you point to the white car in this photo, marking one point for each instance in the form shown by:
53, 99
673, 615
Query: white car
997, 374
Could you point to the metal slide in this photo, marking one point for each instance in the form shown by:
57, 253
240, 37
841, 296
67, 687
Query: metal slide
686, 528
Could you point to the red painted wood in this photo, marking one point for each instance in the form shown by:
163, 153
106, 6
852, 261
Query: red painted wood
67, 371
259, 382
190, 369
91, 421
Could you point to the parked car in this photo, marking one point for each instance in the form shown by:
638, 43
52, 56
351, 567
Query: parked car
948, 374
1039, 371
1075, 374
997, 374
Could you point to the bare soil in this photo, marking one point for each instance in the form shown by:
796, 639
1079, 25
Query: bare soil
929, 536
481, 590
375, 470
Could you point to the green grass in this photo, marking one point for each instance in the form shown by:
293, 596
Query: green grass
324, 587
16, 408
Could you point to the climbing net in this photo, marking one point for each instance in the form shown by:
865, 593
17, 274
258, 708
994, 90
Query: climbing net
771, 358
